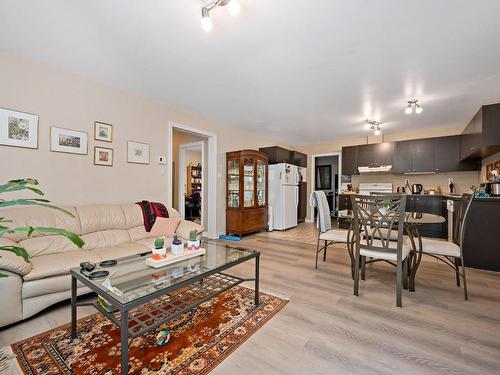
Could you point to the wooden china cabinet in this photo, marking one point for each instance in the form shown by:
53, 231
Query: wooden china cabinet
246, 191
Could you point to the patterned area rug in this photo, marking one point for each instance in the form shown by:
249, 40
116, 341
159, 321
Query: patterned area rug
199, 340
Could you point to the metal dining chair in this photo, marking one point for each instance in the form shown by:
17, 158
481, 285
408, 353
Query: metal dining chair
375, 219
451, 253
326, 233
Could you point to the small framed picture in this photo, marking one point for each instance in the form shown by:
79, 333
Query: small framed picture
103, 132
137, 152
103, 156
68, 141
18, 129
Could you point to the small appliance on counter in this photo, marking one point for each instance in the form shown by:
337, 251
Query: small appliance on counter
400, 190
416, 188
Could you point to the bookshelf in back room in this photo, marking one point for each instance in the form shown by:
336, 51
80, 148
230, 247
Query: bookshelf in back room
193, 183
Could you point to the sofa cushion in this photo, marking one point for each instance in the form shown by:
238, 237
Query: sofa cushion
48, 285
9, 261
59, 264
96, 218
133, 215
105, 238
44, 245
120, 251
185, 227
39, 216
165, 226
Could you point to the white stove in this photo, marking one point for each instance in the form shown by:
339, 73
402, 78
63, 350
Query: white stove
366, 188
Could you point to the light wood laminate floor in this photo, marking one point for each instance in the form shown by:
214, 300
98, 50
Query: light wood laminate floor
326, 330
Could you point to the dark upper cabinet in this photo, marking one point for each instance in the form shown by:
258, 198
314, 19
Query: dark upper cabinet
402, 162
299, 159
414, 156
374, 155
350, 160
277, 154
423, 155
446, 154
481, 137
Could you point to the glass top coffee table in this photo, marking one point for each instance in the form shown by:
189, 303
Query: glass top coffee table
141, 298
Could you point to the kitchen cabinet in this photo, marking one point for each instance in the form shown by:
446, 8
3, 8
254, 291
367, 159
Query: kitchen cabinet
481, 137
278, 154
350, 160
402, 157
345, 203
446, 154
303, 201
299, 159
374, 155
432, 205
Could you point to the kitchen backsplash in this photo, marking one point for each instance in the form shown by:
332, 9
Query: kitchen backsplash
462, 180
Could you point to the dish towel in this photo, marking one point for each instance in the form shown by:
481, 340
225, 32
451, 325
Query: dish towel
318, 200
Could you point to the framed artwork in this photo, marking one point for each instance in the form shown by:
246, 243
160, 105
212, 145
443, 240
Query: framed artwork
497, 166
103, 132
18, 129
489, 168
68, 141
137, 152
103, 156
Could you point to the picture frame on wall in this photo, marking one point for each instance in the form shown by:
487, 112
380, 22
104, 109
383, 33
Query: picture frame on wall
68, 141
18, 129
103, 156
137, 152
103, 132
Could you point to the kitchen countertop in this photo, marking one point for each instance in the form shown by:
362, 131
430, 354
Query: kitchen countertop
456, 197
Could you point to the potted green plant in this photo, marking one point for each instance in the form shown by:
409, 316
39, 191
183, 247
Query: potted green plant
193, 243
159, 251
177, 246
29, 184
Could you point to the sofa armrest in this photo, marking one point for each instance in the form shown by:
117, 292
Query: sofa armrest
10, 295
185, 227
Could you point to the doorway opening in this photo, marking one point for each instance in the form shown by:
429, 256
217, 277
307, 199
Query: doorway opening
326, 176
191, 174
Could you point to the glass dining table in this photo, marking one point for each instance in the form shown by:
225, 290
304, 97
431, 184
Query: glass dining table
412, 222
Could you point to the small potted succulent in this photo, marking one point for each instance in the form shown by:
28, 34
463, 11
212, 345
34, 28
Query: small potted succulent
193, 243
159, 252
177, 246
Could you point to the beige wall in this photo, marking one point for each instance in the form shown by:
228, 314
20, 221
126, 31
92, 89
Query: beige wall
67, 100
193, 157
464, 180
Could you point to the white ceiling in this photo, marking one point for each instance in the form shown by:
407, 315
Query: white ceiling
298, 71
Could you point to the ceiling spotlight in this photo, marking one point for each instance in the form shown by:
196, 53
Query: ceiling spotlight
373, 125
233, 9
413, 106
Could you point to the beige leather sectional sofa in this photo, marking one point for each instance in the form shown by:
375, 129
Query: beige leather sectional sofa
109, 232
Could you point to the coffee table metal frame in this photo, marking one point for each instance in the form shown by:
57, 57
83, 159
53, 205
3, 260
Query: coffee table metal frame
202, 288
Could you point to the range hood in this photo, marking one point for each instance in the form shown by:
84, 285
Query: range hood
375, 169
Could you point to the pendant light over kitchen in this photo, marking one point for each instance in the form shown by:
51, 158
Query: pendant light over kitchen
413, 106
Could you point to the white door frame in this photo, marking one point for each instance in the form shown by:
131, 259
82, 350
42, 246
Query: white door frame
313, 173
211, 173
193, 146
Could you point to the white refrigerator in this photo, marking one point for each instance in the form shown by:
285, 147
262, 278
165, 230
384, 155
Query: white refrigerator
283, 195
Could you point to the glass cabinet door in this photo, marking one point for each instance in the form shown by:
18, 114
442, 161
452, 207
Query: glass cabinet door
261, 183
233, 183
248, 182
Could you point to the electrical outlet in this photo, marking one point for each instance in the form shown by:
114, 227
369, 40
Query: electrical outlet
162, 160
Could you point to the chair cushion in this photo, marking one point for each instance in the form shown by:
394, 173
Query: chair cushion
59, 264
335, 235
438, 247
165, 226
385, 255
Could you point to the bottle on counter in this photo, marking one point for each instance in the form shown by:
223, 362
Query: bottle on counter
451, 185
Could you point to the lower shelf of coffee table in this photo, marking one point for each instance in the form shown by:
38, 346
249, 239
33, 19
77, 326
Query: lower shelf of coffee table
156, 312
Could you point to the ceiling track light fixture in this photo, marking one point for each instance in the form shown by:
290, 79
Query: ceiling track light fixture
374, 126
413, 106
233, 7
